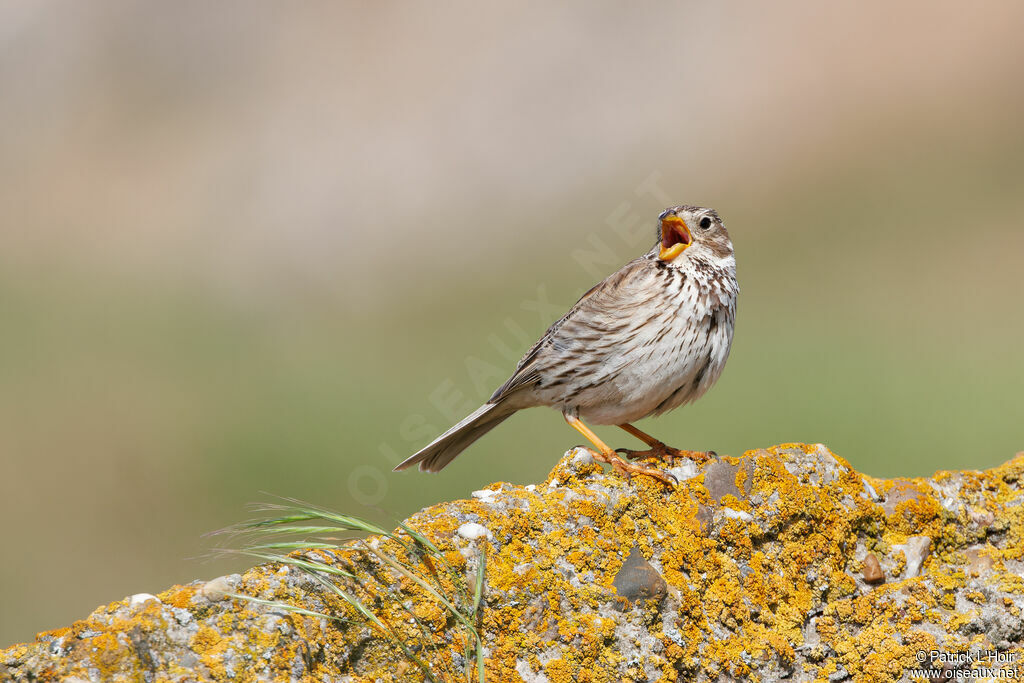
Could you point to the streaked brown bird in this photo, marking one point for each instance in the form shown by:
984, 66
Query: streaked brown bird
649, 338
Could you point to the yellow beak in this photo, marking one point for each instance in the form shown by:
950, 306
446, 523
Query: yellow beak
675, 238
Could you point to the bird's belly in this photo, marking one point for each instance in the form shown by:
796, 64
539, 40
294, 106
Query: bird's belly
658, 377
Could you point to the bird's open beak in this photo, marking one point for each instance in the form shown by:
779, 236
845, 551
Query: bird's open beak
675, 237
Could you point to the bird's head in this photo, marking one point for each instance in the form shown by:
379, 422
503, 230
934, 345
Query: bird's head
686, 233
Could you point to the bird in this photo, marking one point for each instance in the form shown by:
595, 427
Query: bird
649, 338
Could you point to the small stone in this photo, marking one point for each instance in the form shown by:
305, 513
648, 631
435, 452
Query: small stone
978, 564
873, 570
705, 517
141, 599
687, 469
216, 589
484, 494
720, 479
982, 518
917, 549
738, 514
582, 458
901, 492
181, 615
638, 580
473, 531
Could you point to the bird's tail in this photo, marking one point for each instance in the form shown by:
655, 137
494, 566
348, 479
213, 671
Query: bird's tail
444, 448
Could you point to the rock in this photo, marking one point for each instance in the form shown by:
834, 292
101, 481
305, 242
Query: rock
748, 570
705, 517
637, 580
473, 531
902, 491
916, 549
582, 457
141, 599
983, 518
872, 571
684, 469
720, 479
217, 589
838, 676
979, 561
737, 514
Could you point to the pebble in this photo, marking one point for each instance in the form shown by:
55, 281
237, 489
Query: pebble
978, 564
917, 549
982, 518
873, 570
737, 514
583, 457
637, 579
181, 615
720, 479
686, 470
473, 531
901, 492
141, 599
216, 589
704, 517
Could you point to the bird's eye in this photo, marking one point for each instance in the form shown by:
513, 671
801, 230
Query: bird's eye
705, 222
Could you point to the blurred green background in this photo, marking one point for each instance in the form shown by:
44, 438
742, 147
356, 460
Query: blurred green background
275, 249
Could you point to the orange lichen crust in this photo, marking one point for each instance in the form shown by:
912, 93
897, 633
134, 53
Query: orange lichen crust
762, 557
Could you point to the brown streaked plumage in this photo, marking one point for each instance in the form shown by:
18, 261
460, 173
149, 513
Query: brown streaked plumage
649, 338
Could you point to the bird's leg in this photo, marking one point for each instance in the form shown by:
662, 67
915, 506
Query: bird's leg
605, 454
659, 449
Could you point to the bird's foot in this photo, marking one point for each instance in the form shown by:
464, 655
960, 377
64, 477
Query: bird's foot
628, 469
660, 451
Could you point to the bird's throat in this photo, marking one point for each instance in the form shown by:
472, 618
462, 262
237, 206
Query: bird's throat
675, 237
669, 253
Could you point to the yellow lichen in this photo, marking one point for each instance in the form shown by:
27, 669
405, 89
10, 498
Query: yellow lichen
744, 574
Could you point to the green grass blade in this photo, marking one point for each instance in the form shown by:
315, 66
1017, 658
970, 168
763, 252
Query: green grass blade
308, 565
277, 604
421, 539
452, 609
293, 545
358, 605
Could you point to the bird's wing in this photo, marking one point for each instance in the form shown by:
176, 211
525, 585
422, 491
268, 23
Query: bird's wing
606, 307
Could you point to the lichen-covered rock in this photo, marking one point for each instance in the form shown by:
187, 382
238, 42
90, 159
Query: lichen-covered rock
753, 568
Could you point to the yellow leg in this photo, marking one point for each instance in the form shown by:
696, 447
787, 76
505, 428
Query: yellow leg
643, 436
659, 449
605, 454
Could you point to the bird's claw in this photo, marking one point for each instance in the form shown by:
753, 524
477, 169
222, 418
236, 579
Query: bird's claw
666, 453
628, 469
650, 454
